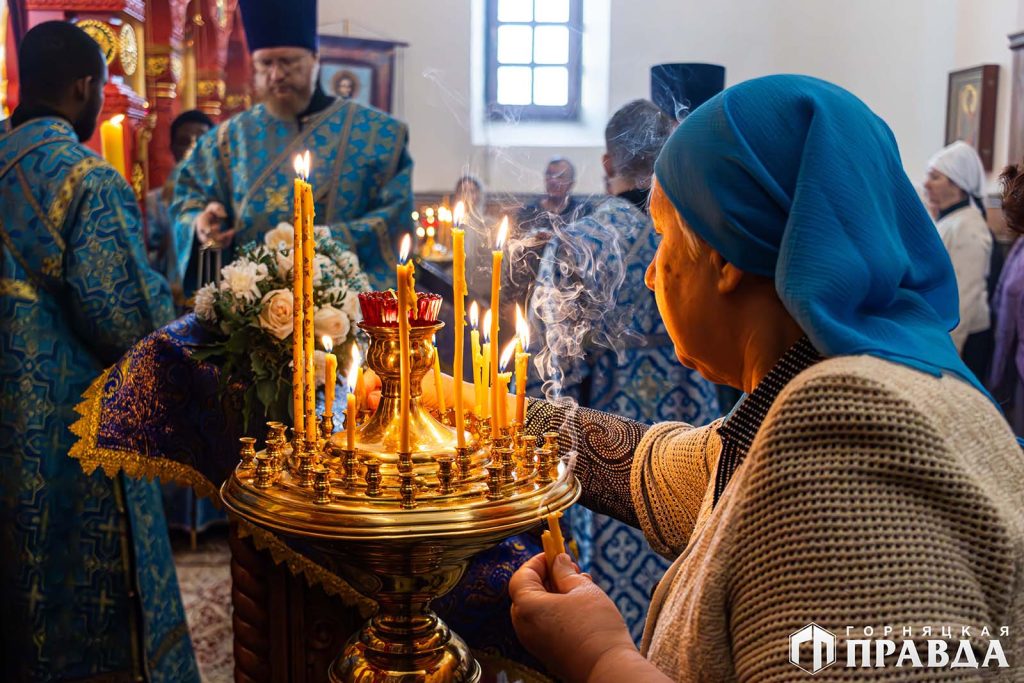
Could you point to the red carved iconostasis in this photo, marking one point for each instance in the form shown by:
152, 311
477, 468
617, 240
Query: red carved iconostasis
164, 56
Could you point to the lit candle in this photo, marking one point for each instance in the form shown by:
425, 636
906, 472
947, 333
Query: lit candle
522, 363
438, 384
503, 379
330, 374
459, 291
555, 544
358, 389
485, 364
474, 349
112, 143
406, 286
298, 356
351, 412
496, 257
308, 254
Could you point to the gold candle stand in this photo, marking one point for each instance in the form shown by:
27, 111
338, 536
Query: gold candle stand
401, 528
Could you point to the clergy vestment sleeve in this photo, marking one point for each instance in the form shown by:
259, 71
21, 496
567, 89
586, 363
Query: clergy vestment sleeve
374, 236
116, 298
604, 445
852, 512
199, 180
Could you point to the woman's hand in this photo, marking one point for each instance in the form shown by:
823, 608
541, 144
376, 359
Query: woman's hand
575, 630
429, 397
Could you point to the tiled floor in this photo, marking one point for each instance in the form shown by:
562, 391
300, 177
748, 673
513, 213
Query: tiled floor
204, 575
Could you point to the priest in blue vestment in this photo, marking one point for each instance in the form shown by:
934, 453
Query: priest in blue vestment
237, 184
87, 582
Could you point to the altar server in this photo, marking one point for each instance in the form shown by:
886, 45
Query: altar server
87, 582
238, 182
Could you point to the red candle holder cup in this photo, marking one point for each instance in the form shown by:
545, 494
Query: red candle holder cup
381, 309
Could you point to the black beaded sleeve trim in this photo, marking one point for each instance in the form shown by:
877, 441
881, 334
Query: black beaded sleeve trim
599, 446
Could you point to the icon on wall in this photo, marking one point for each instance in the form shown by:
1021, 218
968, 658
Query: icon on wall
971, 109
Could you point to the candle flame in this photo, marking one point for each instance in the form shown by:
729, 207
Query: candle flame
415, 215
502, 234
403, 254
474, 315
353, 370
429, 211
506, 355
522, 328
298, 165
487, 326
328, 343
116, 120
307, 164
460, 213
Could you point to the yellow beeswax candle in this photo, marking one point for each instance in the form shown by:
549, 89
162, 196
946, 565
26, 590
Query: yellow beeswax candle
556, 544
358, 388
459, 292
406, 285
351, 411
496, 258
503, 380
522, 363
308, 254
330, 375
474, 347
112, 143
298, 355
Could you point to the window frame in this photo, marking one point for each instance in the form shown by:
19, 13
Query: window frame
534, 112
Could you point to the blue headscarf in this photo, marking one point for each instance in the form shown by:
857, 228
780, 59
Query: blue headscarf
794, 178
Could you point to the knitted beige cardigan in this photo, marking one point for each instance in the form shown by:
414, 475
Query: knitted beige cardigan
873, 495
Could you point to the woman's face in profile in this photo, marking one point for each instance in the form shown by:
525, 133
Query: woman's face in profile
684, 282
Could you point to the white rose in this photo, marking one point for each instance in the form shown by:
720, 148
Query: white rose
205, 298
350, 305
331, 322
241, 278
281, 237
276, 313
320, 264
284, 262
320, 366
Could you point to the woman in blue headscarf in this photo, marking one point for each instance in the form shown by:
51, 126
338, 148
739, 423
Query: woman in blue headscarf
865, 481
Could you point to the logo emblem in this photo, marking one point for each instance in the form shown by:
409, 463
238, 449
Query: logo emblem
812, 648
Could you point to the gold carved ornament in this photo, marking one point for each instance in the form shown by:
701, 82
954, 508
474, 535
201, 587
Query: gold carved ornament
211, 88
157, 65
129, 50
138, 179
103, 34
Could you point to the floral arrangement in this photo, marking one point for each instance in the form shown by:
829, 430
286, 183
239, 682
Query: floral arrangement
250, 310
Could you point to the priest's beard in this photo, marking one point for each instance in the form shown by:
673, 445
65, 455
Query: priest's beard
286, 100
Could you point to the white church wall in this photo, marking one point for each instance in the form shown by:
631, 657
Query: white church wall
894, 54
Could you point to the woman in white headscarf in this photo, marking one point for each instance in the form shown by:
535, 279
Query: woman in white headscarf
954, 186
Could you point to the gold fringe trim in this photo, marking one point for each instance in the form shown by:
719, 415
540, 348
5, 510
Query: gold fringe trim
91, 456
300, 565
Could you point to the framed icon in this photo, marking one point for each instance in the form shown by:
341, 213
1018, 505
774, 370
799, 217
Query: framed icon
359, 69
971, 109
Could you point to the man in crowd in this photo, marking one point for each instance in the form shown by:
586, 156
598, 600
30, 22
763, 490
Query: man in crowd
87, 582
238, 182
186, 128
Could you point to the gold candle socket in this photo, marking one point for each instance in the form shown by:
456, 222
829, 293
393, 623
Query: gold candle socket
493, 481
407, 489
248, 452
306, 465
348, 466
326, 426
322, 486
444, 474
508, 465
551, 443
373, 478
544, 465
264, 472
465, 463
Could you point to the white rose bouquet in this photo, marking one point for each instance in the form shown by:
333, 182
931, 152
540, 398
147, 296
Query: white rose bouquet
251, 312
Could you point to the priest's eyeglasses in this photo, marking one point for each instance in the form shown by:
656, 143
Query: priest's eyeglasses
284, 65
